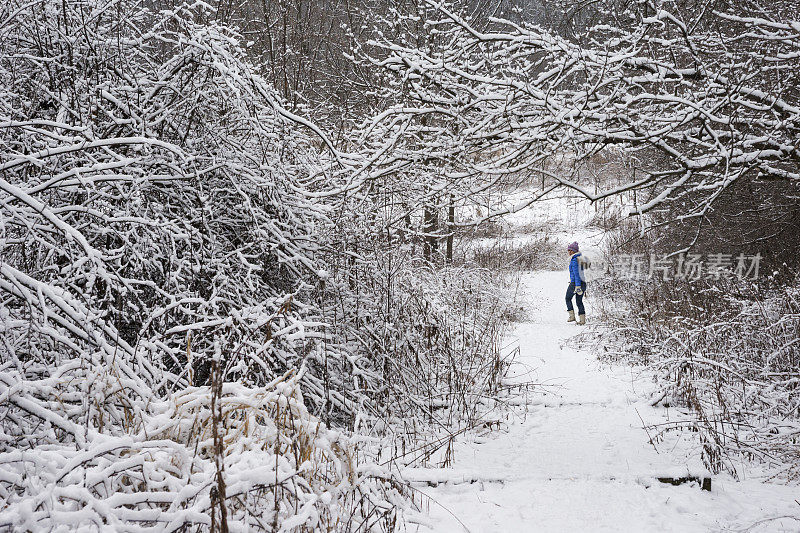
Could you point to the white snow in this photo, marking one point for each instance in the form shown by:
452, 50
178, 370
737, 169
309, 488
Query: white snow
576, 457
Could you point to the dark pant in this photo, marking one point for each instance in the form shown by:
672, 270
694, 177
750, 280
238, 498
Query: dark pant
578, 297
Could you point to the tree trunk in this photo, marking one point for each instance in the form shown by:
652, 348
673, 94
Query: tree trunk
451, 219
430, 224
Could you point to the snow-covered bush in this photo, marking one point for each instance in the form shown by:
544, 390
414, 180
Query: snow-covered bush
151, 193
532, 254
278, 468
424, 341
169, 244
727, 357
157, 212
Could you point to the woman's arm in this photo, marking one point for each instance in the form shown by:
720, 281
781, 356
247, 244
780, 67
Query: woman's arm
574, 272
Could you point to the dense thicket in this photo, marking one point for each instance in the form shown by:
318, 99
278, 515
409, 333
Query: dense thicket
183, 281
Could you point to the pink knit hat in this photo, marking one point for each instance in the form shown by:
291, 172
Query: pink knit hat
573, 247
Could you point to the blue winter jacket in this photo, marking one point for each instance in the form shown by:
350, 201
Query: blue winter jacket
575, 270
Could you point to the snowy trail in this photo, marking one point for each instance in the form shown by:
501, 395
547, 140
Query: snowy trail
578, 459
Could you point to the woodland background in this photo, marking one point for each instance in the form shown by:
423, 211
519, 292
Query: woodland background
241, 276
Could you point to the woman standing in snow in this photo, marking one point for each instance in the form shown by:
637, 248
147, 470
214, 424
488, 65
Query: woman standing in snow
577, 284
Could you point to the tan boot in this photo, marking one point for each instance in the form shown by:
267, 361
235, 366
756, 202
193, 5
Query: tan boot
581, 320
571, 316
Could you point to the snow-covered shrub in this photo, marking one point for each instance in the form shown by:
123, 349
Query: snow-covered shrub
157, 210
443, 333
727, 356
151, 192
284, 470
425, 340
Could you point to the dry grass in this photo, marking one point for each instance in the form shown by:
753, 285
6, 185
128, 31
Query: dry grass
534, 253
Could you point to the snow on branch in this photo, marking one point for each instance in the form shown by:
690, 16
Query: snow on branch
703, 99
158, 219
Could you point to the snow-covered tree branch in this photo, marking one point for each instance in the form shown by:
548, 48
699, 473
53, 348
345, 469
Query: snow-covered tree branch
156, 216
701, 98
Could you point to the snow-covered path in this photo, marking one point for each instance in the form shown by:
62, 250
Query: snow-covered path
577, 459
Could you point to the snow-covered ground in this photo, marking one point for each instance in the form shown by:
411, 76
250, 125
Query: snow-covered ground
575, 457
